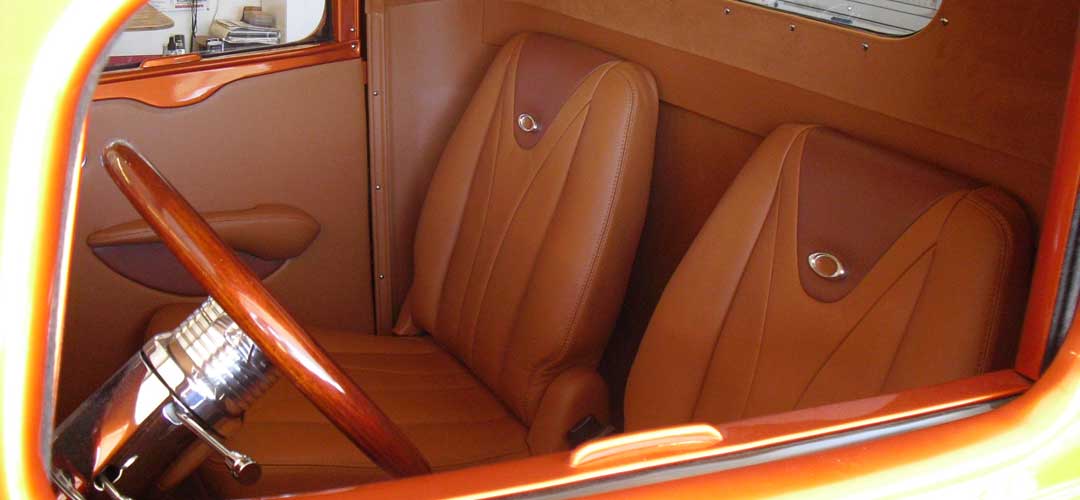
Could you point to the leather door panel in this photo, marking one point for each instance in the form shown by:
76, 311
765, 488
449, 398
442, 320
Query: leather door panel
263, 140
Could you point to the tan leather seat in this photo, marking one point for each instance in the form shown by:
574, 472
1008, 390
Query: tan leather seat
524, 247
936, 270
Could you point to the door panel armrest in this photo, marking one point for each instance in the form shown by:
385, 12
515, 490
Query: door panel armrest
269, 232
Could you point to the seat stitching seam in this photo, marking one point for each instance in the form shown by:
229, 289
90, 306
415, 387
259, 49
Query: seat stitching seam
764, 331
532, 270
742, 274
992, 328
919, 299
601, 243
847, 335
486, 207
513, 216
464, 210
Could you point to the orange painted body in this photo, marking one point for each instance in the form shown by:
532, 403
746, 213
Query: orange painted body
1027, 443
673, 445
1054, 240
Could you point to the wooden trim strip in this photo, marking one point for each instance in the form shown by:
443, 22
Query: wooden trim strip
380, 175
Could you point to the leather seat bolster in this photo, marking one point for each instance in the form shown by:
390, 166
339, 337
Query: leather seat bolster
573, 395
968, 316
1018, 246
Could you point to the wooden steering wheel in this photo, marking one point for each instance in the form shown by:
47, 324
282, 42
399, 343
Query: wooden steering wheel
243, 296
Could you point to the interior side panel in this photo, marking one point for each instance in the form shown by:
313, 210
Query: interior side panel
269, 139
435, 58
696, 160
992, 76
990, 107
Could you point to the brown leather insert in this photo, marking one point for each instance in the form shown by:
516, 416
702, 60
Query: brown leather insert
549, 70
855, 201
154, 266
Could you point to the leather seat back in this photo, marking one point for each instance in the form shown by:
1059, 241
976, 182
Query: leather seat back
936, 271
526, 238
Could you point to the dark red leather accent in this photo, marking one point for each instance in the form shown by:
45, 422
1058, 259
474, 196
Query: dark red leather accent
549, 70
855, 200
152, 265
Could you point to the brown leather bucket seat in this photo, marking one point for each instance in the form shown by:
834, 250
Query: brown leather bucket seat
832, 270
523, 251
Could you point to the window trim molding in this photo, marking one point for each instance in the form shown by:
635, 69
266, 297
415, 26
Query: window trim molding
177, 85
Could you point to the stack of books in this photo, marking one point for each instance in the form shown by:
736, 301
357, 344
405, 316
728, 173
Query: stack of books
241, 33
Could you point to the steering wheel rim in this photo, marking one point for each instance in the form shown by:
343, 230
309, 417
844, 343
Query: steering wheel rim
288, 346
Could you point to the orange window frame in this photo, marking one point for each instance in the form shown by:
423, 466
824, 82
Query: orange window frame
171, 82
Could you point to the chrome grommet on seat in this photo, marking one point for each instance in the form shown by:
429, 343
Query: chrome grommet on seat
527, 123
827, 266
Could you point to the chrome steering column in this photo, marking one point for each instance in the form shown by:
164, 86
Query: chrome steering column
144, 429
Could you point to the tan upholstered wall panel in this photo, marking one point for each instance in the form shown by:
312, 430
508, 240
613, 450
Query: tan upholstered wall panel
982, 96
434, 59
696, 160
270, 139
994, 76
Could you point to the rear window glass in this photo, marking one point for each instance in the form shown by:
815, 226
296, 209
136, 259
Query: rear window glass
888, 17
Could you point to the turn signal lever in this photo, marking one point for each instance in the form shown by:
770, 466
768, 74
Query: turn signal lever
140, 431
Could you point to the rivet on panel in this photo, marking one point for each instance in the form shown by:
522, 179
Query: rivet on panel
791, 27
375, 93
352, 29
378, 187
354, 46
944, 21
381, 276
727, 12
865, 46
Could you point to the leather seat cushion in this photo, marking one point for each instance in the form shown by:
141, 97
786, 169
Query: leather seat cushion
452, 417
